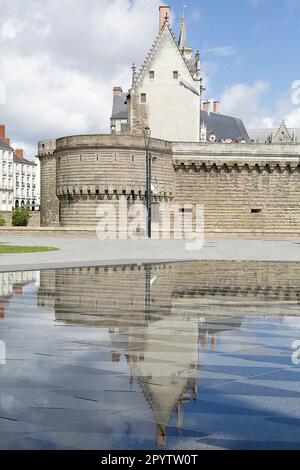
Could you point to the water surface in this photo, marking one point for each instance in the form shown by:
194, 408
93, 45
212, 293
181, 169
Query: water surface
173, 356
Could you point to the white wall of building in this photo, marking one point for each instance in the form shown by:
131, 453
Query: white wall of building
25, 184
174, 111
6, 180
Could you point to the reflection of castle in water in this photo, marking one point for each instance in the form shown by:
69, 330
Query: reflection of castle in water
160, 317
12, 283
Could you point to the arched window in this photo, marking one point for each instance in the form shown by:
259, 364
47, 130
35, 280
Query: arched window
33, 206
22, 204
17, 204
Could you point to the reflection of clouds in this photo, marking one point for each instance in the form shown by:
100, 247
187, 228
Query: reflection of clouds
292, 322
8, 402
2, 353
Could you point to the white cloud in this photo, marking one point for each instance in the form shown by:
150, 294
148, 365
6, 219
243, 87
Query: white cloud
59, 69
222, 51
246, 101
243, 100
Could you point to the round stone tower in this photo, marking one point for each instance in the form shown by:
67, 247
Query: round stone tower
79, 173
49, 200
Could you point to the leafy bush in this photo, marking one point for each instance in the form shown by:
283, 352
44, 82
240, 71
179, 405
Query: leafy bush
20, 217
2, 221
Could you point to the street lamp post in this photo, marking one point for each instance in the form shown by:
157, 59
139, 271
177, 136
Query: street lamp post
202, 89
147, 136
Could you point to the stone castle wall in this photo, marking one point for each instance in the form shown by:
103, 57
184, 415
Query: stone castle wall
49, 200
123, 296
243, 187
85, 171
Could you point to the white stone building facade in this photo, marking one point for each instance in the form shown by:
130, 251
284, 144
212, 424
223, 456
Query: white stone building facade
19, 179
6, 177
25, 183
166, 95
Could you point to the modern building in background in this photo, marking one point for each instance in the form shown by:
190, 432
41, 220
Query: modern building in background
18, 184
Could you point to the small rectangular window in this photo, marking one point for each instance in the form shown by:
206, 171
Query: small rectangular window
175, 75
151, 74
143, 97
186, 210
256, 211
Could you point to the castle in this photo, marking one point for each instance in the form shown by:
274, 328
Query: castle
198, 157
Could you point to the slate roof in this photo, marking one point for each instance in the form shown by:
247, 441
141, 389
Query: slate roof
120, 109
192, 65
261, 135
224, 127
23, 161
5, 146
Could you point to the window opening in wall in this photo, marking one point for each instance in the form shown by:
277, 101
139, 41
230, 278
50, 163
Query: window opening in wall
143, 98
256, 211
184, 210
175, 74
151, 74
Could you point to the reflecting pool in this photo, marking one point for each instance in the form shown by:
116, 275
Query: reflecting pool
197, 355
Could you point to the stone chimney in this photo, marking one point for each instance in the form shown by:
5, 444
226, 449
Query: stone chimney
117, 90
19, 153
164, 13
216, 106
206, 106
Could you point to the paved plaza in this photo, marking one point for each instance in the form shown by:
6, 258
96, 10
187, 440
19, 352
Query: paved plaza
80, 252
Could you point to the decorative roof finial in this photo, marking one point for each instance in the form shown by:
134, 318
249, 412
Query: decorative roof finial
133, 68
182, 42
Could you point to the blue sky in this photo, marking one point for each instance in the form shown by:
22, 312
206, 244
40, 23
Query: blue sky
243, 41
61, 59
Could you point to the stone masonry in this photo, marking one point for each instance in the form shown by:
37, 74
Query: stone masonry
245, 188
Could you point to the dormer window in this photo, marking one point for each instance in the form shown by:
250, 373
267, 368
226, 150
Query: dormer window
151, 74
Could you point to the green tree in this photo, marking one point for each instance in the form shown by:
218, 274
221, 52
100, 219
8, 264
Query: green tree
2, 221
20, 217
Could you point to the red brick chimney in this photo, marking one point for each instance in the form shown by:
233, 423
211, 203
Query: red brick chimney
164, 13
216, 106
2, 131
19, 153
117, 90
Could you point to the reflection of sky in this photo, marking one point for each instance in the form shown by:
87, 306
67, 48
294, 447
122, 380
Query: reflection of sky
61, 386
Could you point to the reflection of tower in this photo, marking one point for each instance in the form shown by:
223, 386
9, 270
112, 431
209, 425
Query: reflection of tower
166, 368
